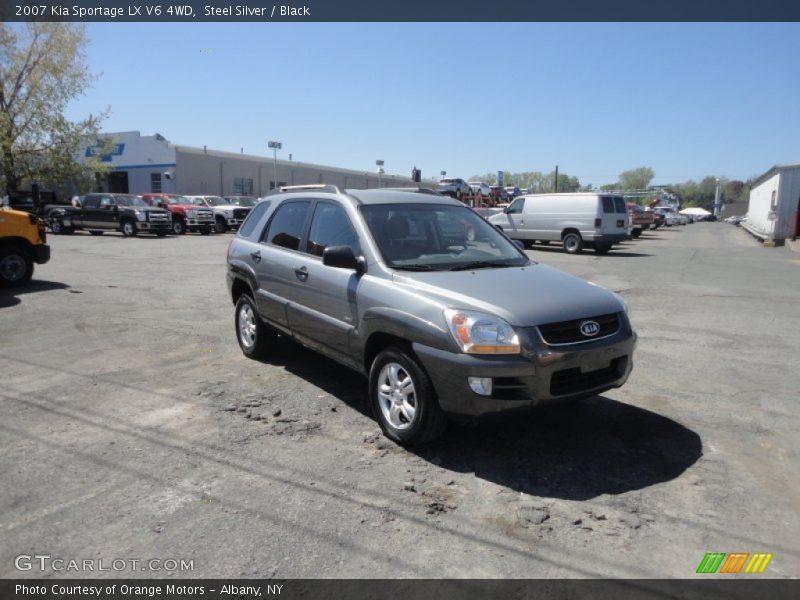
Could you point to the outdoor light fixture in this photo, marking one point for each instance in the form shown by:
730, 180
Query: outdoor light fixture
275, 147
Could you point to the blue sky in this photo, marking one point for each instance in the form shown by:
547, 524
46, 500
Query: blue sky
688, 100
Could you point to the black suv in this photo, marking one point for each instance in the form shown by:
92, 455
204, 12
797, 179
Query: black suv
126, 213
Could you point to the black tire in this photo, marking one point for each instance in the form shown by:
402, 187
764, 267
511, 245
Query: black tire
56, 226
16, 267
178, 227
128, 228
205, 231
602, 248
572, 242
220, 226
95, 232
258, 342
428, 421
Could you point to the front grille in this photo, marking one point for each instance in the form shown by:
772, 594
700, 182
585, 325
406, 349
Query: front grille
569, 332
205, 215
240, 213
158, 217
572, 381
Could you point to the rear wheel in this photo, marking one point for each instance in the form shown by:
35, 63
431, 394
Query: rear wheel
403, 398
16, 267
573, 243
254, 338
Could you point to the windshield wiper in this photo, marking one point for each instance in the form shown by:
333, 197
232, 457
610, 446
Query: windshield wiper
415, 267
482, 264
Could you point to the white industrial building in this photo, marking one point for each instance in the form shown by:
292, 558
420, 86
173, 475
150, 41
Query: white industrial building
774, 210
144, 164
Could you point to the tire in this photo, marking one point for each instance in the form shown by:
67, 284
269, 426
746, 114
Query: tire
205, 231
392, 408
573, 243
16, 267
95, 232
128, 228
602, 249
636, 233
220, 226
178, 227
56, 226
255, 339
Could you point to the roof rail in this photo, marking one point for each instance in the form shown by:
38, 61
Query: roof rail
320, 187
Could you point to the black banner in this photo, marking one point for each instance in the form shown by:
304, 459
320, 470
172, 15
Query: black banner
744, 588
398, 10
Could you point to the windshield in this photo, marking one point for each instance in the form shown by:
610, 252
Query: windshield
129, 201
438, 237
216, 201
243, 201
178, 200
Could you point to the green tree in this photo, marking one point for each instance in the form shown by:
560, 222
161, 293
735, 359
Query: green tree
636, 179
42, 68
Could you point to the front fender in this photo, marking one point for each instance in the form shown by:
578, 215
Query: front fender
404, 325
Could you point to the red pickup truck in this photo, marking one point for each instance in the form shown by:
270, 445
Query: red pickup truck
185, 215
641, 219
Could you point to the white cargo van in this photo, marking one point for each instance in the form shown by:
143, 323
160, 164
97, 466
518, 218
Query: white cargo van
576, 220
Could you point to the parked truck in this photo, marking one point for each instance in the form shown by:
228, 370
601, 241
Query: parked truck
23, 243
126, 213
185, 215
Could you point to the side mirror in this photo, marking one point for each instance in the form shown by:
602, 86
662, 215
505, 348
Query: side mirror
342, 257
505, 209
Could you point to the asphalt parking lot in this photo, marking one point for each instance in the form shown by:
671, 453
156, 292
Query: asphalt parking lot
131, 427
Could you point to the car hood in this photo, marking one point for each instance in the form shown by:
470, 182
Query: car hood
524, 296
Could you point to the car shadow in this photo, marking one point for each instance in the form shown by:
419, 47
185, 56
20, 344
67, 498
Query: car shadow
573, 451
10, 296
588, 251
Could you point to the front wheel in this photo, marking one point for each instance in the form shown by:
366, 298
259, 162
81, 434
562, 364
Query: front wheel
178, 227
16, 267
128, 228
573, 243
220, 226
254, 338
403, 398
56, 226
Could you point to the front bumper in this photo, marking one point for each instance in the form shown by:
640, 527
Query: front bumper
541, 374
155, 226
40, 253
200, 222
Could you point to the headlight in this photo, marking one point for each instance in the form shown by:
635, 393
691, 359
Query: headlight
479, 333
141, 215
191, 214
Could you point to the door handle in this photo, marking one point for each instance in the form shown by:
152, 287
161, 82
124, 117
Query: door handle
256, 256
301, 273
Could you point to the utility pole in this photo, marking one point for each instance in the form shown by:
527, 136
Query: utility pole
717, 203
555, 183
275, 147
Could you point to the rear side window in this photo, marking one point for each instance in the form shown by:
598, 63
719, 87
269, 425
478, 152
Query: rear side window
620, 204
253, 218
331, 227
91, 202
608, 204
516, 206
286, 227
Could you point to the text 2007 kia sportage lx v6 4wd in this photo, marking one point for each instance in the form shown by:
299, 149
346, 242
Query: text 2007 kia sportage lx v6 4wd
443, 313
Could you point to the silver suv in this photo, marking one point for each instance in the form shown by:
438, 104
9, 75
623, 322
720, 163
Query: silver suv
443, 323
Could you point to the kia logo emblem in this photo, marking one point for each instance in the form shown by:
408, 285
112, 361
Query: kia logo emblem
590, 328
